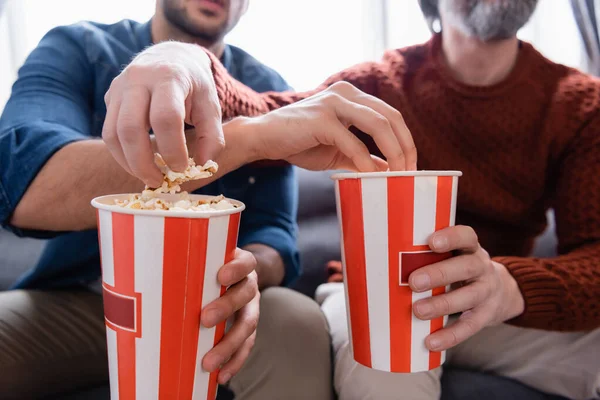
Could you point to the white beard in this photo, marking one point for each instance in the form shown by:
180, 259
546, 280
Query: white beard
487, 20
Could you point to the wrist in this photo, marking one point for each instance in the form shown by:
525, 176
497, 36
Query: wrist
241, 140
515, 302
242, 136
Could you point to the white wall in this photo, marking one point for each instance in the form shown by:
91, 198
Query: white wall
306, 41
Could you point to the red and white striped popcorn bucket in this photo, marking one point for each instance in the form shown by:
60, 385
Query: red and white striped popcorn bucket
159, 269
386, 219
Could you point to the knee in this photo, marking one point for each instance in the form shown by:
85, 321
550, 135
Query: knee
355, 381
285, 313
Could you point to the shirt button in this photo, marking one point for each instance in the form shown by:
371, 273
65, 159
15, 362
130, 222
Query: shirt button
252, 180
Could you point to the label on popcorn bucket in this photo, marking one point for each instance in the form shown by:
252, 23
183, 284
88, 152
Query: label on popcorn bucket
159, 270
386, 220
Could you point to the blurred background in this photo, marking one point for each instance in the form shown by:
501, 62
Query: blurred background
305, 41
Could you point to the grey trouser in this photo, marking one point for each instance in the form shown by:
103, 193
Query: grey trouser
566, 364
55, 341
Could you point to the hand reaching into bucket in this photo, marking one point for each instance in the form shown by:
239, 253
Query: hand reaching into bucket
314, 133
488, 294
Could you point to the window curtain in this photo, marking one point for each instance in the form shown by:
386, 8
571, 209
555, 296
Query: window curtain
587, 22
12, 44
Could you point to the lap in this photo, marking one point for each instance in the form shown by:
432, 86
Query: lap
354, 381
559, 363
564, 364
46, 336
292, 346
55, 341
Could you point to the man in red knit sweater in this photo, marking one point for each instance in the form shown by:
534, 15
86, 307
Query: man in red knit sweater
525, 133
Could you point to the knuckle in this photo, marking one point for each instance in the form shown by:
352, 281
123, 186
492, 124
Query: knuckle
251, 323
108, 135
127, 135
444, 307
411, 152
397, 115
443, 277
484, 256
166, 117
382, 122
134, 70
252, 263
107, 96
453, 338
252, 284
332, 98
165, 70
477, 293
471, 267
127, 127
342, 87
471, 326
251, 341
472, 234
486, 292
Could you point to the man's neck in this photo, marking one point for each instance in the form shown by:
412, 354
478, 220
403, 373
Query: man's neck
162, 31
475, 62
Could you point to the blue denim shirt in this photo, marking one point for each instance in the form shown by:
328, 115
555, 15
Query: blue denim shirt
58, 98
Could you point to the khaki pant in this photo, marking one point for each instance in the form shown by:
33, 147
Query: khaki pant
53, 342
566, 364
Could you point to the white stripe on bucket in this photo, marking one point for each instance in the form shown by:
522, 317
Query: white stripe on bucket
425, 199
113, 362
453, 200
339, 215
215, 256
419, 354
446, 319
375, 223
148, 260
106, 253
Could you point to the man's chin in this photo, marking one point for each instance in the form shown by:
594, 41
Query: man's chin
207, 28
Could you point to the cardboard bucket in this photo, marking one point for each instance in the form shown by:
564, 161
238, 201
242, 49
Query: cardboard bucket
386, 219
159, 269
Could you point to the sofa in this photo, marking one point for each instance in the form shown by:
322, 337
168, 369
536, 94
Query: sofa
318, 241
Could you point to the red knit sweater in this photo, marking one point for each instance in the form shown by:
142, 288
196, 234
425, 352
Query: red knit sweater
527, 144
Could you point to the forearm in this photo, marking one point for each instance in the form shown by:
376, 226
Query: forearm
59, 197
236, 99
269, 265
561, 293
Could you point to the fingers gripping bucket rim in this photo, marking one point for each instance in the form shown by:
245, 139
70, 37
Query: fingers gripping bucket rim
385, 220
159, 270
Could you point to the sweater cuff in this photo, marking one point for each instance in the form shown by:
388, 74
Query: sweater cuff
235, 99
543, 292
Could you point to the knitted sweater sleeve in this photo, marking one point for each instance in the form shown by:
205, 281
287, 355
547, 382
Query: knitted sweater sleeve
563, 293
238, 100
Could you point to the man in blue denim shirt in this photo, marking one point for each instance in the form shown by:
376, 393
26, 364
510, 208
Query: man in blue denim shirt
57, 101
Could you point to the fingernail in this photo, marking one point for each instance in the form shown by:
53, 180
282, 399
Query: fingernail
213, 316
225, 377
440, 242
434, 344
421, 282
423, 309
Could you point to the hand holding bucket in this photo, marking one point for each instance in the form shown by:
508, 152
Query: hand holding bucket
386, 220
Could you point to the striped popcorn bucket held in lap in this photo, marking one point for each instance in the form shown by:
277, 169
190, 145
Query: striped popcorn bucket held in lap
159, 269
386, 219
